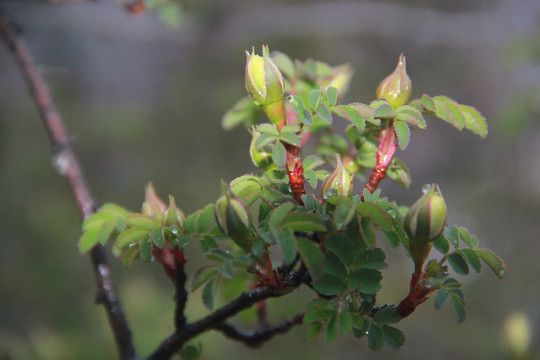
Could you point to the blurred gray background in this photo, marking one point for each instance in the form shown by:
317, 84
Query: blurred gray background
143, 102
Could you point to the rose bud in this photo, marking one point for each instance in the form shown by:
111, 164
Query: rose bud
233, 218
339, 182
396, 87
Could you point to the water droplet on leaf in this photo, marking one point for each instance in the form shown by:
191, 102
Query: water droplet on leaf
61, 162
425, 188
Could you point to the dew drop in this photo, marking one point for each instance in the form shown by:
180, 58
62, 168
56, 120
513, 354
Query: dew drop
62, 162
330, 192
426, 188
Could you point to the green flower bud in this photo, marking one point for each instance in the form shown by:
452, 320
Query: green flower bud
233, 218
153, 205
396, 87
264, 81
173, 216
260, 158
339, 182
426, 218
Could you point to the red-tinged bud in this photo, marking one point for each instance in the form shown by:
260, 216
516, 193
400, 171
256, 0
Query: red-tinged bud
153, 205
396, 87
173, 216
339, 182
264, 81
233, 218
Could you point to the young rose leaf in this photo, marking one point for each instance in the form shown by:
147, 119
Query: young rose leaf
130, 236
456, 297
314, 330
387, 316
403, 134
372, 259
343, 215
332, 329
145, 245
329, 285
458, 263
88, 240
297, 104
314, 98
291, 128
376, 213
303, 222
428, 103
334, 266
442, 244
244, 112
367, 280
367, 232
279, 155
142, 221
345, 322
393, 337
495, 263
269, 129
311, 256
375, 337
350, 114
263, 140
399, 172
324, 113
157, 238
411, 116
448, 110
472, 258
287, 245
290, 138
342, 247
208, 295
474, 120
332, 93
202, 275
318, 314
278, 214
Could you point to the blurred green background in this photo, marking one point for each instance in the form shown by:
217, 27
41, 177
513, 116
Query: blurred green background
143, 102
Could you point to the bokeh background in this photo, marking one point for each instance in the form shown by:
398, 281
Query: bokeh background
143, 97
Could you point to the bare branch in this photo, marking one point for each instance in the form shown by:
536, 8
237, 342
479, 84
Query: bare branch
68, 165
174, 343
261, 335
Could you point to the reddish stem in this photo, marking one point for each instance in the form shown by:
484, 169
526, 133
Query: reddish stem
418, 293
295, 169
385, 153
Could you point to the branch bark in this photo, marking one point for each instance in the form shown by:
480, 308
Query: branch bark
68, 166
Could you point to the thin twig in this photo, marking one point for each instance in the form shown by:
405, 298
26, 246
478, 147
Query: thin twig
68, 166
261, 335
174, 343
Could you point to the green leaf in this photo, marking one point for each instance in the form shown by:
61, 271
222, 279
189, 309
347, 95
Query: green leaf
474, 120
206, 218
314, 98
130, 255
376, 213
342, 247
448, 110
269, 129
318, 314
314, 330
343, 215
279, 213
279, 155
263, 140
375, 337
399, 172
145, 245
367, 231
329, 285
388, 315
333, 265
105, 231
191, 352
332, 94
372, 259
411, 116
311, 256
291, 128
382, 109
202, 275
350, 114
157, 238
441, 244
458, 263
495, 263
394, 338
456, 297
244, 112
441, 298
297, 104
452, 235
368, 280
324, 113
345, 322
208, 295
332, 329
142, 221
428, 103
287, 245
130, 236
403, 134
88, 240
284, 63
472, 258
303, 222
290, 138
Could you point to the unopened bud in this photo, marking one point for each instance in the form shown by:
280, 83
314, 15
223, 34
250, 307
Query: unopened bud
264, 81
173, 216
339, 182
153, 205
426, 218
396, 87
233, 218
